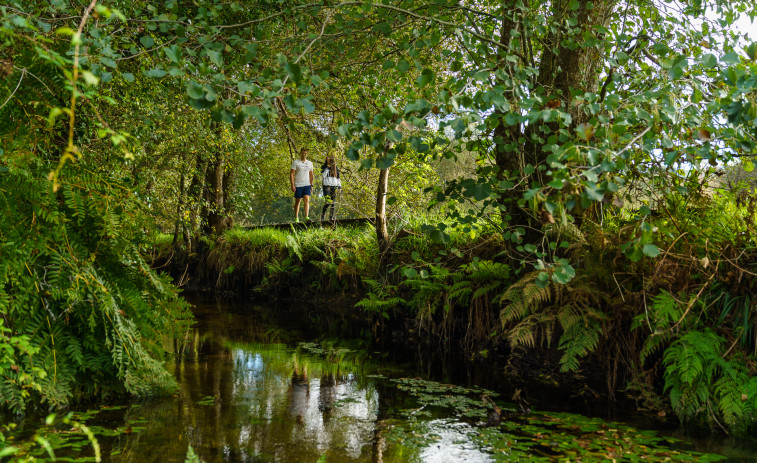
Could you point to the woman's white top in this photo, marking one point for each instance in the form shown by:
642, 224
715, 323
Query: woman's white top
328, 180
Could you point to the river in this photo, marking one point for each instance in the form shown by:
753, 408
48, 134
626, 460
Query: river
258, 385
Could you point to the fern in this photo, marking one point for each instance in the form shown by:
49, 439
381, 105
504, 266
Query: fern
531, 312
87, 311
704, 386
380, 298
578, 339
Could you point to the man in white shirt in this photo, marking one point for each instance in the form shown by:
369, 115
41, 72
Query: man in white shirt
301, 179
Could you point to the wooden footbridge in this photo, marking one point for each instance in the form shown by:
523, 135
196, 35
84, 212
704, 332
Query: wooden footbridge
302, 224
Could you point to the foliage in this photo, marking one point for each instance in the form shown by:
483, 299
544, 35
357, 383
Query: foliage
86, 312
528, 309
83, 314
380, 298
588, 132
704, 383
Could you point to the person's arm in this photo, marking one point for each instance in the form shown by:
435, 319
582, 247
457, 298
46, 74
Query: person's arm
311, 177
291, 179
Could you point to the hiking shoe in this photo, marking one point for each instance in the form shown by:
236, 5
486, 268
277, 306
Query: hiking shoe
296, 220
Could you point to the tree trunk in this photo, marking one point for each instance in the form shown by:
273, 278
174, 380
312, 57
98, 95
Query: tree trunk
179, 208
195, 194
382, 232
564, 70
214, 212
508, 155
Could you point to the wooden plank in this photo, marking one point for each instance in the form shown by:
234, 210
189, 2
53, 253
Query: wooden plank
313, 223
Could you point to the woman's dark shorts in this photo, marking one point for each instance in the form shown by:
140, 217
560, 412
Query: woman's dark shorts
330, 192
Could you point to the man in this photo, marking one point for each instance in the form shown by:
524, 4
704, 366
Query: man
301, 179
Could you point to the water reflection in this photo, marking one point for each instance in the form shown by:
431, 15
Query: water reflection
249, 401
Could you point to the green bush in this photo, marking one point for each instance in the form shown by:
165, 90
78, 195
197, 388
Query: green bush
81, 313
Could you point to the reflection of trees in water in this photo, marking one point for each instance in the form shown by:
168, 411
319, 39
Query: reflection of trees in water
241, 401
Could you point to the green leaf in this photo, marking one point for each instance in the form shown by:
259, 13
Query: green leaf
409, 272
201, 103
65, 31
8, 451
90, 78
634, 252
294, 71
155, 73
439, 236
248, 87
146, 41
307, 105
709, 60
384, 162
210, 92
215, 57
173, 53
593, 193
111, 63
751, 51
556, 184
426, 77
564, 273
731, 58
650, 250
195, 90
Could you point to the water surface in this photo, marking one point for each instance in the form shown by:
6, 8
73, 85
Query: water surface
257, 387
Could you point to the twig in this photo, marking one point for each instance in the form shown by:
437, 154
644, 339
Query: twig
622, 298
33, 75
23, 73
659, 265
633, 141
146, 51
323, 28
696, 298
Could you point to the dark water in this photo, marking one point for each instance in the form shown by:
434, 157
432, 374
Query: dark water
255, 388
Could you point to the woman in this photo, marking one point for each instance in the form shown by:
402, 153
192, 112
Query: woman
331, 186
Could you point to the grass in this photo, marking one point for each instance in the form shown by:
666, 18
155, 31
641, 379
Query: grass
163, 239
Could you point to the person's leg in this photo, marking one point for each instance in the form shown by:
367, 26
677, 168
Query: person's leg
327, 198
323, 211
296, 208
333, 204
306, 199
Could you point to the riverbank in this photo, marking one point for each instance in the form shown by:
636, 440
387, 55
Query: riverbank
643, 331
